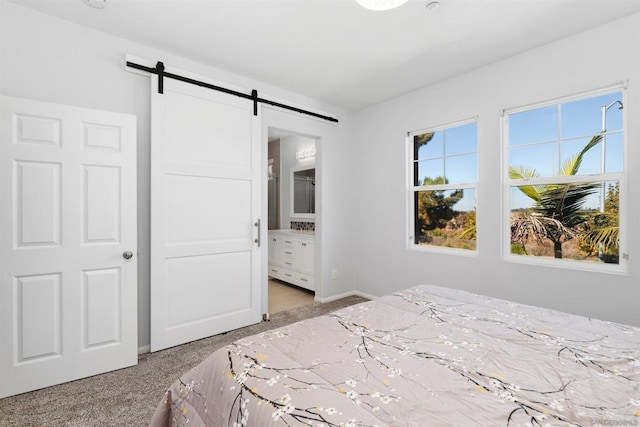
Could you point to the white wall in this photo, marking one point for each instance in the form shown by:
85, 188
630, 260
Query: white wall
362, 179
49, 59
598, 58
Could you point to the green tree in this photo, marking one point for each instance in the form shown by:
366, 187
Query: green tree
434, 208
422, 139
469, 228
558, 208
601, 234
612, 201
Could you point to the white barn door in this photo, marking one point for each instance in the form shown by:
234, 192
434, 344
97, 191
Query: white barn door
205, 203
68, 297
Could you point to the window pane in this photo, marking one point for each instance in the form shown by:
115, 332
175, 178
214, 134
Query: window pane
461, 139
582, 117
614, 149
552, 228
446, 218
520, 200
591, 160
542, 157
429, 145
462, 169
579, 121
585, 116
430, 172
614, 117
536, 125
576, 221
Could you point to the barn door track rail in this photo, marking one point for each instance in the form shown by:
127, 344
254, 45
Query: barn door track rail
253, 96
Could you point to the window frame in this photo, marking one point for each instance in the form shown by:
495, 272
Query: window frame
621, 177
412, 189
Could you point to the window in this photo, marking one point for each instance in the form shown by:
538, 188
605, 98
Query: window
565, 179
442, 188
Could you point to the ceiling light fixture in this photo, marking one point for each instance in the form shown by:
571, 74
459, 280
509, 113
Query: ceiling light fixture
381, 4
433, 6
96, 4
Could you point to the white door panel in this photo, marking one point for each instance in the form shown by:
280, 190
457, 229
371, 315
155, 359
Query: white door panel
101, 196
188, 276
208, 209
101, 307
41, 336
205, 187
68, 299
208, 130
37, 212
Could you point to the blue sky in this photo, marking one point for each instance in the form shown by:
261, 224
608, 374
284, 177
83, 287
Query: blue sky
452, 153
542, 138
546, 137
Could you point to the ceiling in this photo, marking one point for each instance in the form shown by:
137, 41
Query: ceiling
334, 50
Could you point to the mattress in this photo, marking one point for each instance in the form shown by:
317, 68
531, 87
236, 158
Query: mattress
425, 356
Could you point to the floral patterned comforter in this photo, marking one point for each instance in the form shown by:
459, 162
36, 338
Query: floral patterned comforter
426, 356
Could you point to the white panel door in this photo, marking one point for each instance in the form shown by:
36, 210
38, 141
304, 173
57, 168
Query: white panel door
68, 298
205, 203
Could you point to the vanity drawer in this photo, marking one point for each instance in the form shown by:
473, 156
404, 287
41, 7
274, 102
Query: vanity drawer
275, 271
292, 259
303, 280
288, 255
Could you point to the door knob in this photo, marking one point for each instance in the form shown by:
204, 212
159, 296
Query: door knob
127, 255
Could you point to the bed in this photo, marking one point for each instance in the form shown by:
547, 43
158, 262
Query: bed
424, 356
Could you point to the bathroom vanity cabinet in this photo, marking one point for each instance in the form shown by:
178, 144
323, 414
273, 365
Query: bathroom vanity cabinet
292, 257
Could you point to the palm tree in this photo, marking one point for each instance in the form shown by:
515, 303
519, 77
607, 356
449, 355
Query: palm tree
604, 237
601, 232
558, 207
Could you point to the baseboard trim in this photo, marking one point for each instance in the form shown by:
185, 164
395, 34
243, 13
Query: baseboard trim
344, 295
144, 349
365, 295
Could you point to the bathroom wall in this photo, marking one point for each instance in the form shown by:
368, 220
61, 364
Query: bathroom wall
273, 185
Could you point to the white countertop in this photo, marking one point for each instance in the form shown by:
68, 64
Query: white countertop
307, 234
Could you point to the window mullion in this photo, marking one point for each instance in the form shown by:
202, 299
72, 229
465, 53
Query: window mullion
446, 187
572, 179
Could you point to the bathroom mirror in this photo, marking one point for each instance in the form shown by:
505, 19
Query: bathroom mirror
303, 193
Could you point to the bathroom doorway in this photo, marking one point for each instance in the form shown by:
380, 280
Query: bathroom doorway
291, 200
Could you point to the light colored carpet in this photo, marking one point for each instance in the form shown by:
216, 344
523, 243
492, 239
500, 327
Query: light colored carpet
128, 397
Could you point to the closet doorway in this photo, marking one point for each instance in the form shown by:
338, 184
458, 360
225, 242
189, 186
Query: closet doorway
291, 206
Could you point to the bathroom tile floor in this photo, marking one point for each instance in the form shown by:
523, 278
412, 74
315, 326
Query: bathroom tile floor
283, 296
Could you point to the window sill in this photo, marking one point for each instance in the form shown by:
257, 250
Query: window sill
617, 269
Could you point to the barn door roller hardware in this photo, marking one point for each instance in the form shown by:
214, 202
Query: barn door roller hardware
253, 96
